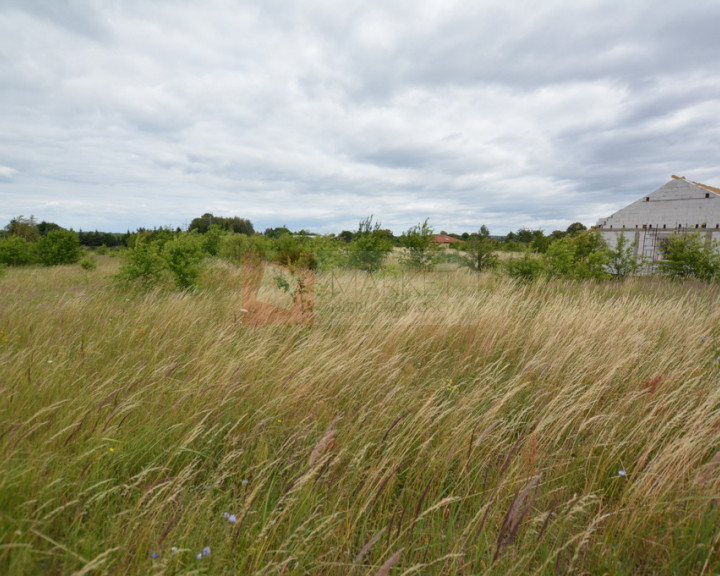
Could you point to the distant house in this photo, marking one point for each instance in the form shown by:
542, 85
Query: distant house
444, 240
680, 206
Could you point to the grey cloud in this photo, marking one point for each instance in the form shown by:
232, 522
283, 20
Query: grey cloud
319, 113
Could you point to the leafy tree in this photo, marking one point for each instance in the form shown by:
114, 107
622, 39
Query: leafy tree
623, 260
690, 256
370, 246
480, 249
421, 250
233, 224
277, 232
575, 228
23, 228
44, 227
59, 247
524, 236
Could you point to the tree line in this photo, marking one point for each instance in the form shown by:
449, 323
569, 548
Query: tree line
163, 254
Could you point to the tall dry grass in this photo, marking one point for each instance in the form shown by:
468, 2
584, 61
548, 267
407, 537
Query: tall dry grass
448, 424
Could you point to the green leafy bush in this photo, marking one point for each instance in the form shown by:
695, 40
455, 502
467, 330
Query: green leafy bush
88, 263
143, 264
59, 247
183, 257
583, 255
690, 256
527, 268
16, 251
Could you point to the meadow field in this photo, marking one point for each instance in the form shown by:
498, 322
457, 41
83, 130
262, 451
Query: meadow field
455, 423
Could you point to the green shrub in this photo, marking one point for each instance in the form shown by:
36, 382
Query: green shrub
59, 247
527, 268
143, 264
88, 263
690, 256
103, 249
182, 257
16, 251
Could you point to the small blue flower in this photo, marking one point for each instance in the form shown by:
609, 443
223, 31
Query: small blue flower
640, 345
622, 473
154, 555
245, 482
199, 556
226, 515
232, 519
206, 551
703, 338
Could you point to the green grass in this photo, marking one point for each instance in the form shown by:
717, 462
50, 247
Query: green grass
467, 425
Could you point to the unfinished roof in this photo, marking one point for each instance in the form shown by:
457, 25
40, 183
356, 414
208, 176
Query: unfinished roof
680, 203
711, 188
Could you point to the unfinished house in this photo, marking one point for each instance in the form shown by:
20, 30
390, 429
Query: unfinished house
678, 207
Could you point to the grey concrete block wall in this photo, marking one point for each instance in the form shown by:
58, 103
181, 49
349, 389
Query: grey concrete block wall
678, 207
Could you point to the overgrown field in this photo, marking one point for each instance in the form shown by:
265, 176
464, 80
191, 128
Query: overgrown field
455, 424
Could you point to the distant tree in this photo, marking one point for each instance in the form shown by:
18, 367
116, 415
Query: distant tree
345, 236
420, 248
45, 227
480, 249
202, 224
540, 242
525, 236
59, 247
370, 246
233, 224
276, 232
690, 256
576, 227
24, 228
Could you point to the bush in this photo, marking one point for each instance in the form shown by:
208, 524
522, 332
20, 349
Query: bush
143, 264
16, 251
88, 263
103, 249
59, 247
527, 268
690, 256
584, 255
182, 257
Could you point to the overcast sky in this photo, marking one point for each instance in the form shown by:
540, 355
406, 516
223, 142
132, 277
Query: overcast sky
313, 114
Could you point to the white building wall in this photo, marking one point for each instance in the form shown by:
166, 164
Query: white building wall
679, 206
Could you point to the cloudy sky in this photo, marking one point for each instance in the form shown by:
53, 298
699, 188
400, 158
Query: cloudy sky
116, 114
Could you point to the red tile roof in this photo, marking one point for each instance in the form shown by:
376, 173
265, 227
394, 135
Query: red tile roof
444, 239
